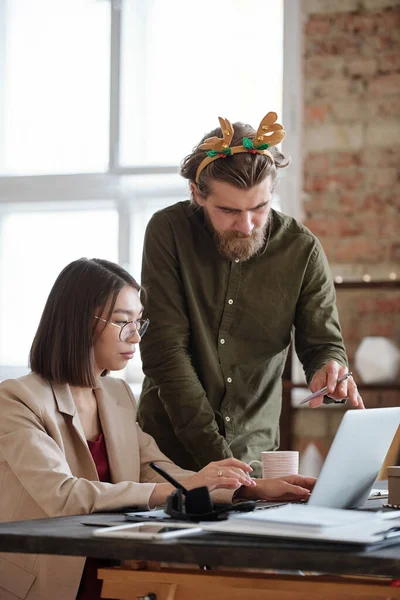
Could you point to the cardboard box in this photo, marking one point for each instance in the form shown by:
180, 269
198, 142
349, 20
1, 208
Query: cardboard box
393, 475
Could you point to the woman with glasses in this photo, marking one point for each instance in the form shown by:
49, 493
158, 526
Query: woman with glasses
69, 441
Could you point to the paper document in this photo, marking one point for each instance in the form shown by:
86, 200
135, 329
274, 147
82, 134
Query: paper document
314, 523
298, 516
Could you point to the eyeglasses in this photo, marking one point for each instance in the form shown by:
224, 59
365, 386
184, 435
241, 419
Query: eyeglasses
129, 328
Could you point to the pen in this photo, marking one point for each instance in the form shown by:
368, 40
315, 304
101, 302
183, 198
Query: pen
168, 477
323, 391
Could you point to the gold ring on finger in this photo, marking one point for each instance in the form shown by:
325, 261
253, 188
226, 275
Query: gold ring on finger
220, 472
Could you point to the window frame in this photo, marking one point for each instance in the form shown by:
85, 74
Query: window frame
119, 185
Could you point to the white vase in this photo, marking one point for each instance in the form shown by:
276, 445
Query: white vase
377, 360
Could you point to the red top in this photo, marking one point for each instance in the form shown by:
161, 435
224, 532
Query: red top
90, 586
98, 451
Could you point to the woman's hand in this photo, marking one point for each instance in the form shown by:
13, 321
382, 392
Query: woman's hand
284, 489
229, 473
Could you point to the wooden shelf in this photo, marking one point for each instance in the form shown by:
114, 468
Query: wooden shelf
367, 285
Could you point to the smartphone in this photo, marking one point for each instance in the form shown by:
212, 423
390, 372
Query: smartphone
147, 531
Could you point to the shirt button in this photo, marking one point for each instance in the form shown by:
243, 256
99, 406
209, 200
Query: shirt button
227, 419
222, 341
229, 379
230, 301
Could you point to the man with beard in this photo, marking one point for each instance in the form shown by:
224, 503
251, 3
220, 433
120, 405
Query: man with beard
228, 277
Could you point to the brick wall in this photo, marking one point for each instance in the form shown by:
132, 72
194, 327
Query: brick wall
352, 151
352, 131
352, 157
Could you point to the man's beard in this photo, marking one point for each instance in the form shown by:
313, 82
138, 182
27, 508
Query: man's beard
238, 246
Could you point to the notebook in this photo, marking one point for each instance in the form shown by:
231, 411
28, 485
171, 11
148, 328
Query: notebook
303, 522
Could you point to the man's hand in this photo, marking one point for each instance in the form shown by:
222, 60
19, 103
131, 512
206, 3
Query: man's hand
283, 489
328, 376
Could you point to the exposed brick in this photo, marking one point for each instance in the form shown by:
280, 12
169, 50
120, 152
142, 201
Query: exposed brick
329, 245
317, 163
379, 4
360, 250
328, 90
376, 304
380, 178
349, 227
320, 227
390, 19
322, 67
382, 107
346, 159
334, 137
318, 26
360, 224
352, 137
381, 329
385, 84
352, 180
377, 202
334, 46
329, 6
395, 252
383, 41
389, 62
356, 22
349, 202
383, 133
317, 113
362, 66
388, 157
349, 110
396, 200
321, 204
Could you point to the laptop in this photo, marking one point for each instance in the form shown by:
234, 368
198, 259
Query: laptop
355, 457
353, 461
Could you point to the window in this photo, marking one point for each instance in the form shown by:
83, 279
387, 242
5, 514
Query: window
56, 73
102, 99
213, 64
35, 246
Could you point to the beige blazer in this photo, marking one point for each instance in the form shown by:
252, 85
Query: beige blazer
46, 470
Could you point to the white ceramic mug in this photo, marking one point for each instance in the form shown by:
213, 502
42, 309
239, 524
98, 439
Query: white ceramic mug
278, 463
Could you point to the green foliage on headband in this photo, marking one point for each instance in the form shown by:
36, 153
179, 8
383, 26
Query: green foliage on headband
248, 143
212, 153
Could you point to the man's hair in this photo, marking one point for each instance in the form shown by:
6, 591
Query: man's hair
62, 349
243, 171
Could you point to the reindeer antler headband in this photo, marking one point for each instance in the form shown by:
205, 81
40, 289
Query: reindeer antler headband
269, 133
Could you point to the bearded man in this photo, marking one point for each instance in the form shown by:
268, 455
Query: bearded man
228, 278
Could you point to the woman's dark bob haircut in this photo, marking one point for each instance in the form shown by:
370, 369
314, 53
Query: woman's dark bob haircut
62, 350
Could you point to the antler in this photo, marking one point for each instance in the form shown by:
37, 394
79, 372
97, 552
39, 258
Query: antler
216, 143
268, 131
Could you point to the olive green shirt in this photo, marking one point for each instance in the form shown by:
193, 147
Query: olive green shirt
219, 332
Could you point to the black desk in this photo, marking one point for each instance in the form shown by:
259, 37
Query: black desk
67, 536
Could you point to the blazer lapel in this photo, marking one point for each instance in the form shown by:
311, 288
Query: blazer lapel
81, 454
66, 405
